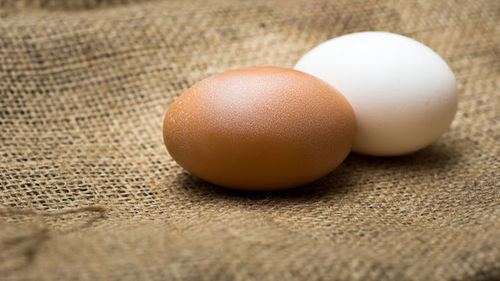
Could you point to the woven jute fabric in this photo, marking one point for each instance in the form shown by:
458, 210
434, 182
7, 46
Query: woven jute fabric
89, 192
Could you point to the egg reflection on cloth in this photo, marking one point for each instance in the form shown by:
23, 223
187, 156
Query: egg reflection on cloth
403, 94
260, 129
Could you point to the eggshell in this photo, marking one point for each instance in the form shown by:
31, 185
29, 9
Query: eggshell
403, 93
260, 129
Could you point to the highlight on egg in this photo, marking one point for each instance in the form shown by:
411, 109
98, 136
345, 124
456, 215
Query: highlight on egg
260, 129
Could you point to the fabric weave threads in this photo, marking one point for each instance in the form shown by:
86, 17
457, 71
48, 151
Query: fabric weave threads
84, 86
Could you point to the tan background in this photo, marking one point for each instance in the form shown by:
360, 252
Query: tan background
83, 89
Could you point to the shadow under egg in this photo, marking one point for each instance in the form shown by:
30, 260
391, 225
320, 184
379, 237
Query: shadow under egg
350, 175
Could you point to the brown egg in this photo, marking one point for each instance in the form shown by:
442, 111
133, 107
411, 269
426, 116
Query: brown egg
260, 129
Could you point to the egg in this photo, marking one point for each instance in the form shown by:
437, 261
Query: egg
404, 95
259, 129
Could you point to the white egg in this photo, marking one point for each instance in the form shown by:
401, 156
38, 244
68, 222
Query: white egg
404, 94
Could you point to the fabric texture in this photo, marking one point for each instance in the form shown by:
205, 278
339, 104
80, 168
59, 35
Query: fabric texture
88, 191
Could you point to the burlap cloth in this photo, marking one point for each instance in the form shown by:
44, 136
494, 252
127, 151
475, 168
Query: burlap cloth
88, 191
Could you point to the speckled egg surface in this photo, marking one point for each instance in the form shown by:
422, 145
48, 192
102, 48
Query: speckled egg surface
260, 129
